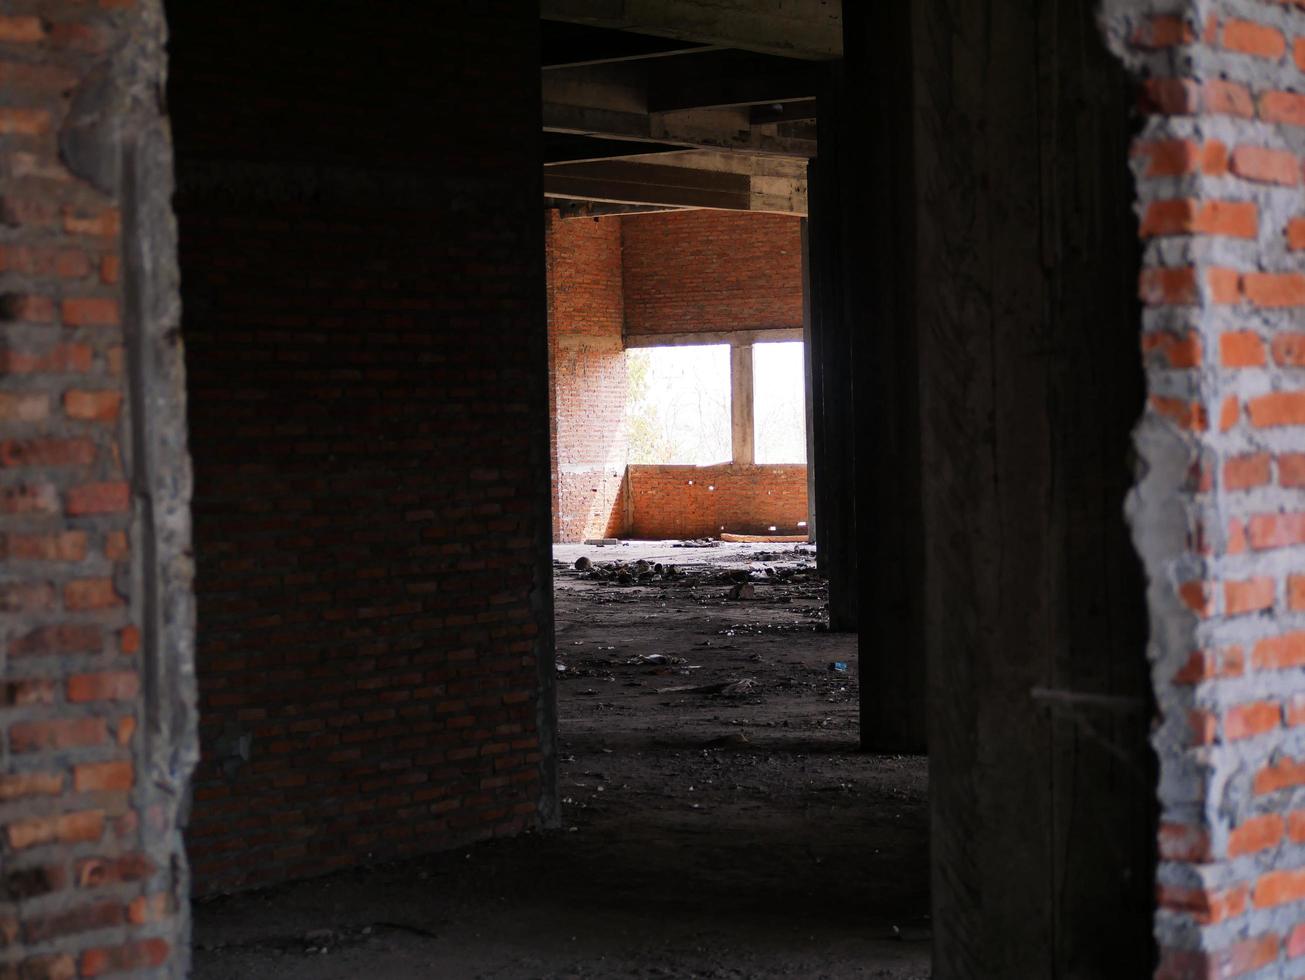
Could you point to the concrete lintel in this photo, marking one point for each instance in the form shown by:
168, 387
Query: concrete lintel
624, 182
570, 210
588, 342
735, 162
629, 182
735, 338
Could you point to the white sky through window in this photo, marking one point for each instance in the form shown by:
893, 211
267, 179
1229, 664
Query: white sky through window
679, 405
779, 403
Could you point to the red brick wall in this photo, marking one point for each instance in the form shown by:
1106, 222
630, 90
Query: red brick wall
587, 376
663, 273
1218, 514
711, 270
702, 501
362, 258
92, 879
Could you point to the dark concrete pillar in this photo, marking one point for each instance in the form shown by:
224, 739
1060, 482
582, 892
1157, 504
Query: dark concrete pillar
875, 157
834, 436
1003, 246
807, 370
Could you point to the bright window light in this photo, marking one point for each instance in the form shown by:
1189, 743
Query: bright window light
779, 399
679, 405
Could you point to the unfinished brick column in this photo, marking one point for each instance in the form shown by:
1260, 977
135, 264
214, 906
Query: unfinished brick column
1218, 513
367, 365
588, 385
96, 692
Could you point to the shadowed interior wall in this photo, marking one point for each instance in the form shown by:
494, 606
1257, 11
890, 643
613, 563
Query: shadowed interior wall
362, 268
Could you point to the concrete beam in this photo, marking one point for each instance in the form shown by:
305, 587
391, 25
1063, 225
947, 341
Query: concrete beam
742, 187
754, 165
623, 182
699, 338
711, 129
725, 79
778, 184
567, 148
569, 45
810, 29
568, 209
619, 87
778, 195
784, 112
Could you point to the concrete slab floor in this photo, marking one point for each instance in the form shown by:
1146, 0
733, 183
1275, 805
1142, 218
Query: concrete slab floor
728, 833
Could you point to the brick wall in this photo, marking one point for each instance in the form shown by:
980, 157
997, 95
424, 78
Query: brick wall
587, 377
362, 260
711, 270
661, 273
92, 877
1219, 515
703, 501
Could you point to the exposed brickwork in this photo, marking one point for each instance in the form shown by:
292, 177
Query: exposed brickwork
689, 272
587, 373
366, 351
711, 270
703, 501
76, 817
1218, 515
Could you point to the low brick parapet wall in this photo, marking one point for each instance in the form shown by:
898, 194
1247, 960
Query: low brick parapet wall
703, 501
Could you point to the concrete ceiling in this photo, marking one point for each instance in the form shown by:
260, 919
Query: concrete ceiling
684, 103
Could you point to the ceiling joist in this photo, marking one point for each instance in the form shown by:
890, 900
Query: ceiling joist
726, 79
573, 45
713, 129
684, 103
624, 182
807, 29
569, 209
641, 184
773, 113
568, 148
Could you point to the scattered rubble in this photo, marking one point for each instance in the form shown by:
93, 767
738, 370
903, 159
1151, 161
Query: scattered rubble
727, 688
769, 569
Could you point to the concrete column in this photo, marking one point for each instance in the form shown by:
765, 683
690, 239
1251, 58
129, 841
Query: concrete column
807, 371
878, 296
1000, 261
834, 437
743, 429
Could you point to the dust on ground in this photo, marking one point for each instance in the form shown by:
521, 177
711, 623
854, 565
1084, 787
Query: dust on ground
717, 818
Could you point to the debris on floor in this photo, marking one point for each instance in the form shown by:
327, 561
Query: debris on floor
762, 538
736, 831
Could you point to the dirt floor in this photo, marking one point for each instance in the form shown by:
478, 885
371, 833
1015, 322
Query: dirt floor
718, 820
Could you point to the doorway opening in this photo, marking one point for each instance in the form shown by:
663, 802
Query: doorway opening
368, 391
709, 743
